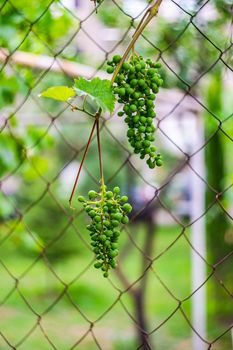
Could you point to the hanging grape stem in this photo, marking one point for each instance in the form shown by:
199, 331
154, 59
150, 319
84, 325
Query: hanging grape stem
149, 14
99, 153
147, 17
82, 161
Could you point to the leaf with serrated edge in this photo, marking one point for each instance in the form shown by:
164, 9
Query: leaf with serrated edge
98, 90
59, 93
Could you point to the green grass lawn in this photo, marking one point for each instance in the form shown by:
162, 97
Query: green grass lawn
66, 316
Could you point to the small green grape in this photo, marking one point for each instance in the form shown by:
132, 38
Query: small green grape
159, 162
126, 66
97, 218
109, 194
116, 58
125, 220
110, 70
127, 207
92, 194
98, 265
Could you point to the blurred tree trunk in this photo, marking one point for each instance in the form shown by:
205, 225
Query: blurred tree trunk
141, 320
217, 221
140, 294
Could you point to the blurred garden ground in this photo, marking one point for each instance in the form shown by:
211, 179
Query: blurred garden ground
94, 296
50, 294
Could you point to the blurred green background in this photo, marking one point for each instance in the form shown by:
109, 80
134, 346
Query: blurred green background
50, 293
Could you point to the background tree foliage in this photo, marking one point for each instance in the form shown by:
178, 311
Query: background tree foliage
185, 50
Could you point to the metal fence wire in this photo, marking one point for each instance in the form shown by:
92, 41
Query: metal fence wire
155, 286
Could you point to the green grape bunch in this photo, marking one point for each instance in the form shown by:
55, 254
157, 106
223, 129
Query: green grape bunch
136, 86
108, 210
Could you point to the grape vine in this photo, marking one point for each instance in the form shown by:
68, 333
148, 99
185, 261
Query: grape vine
134, 83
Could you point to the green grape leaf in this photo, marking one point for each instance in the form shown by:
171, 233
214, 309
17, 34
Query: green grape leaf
98, 90
59, 93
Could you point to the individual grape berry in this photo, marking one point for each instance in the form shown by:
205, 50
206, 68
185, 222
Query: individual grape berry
125, 220
110, 70
116, 58
92, 194
107, 210
116, 189
159, 162
135, 87
127, 208
124, 199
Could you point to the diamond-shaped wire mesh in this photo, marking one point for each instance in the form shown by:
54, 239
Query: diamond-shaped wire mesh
51, 296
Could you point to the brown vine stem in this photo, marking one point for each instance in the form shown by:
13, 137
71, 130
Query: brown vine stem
149, 14
82, 161
99, 153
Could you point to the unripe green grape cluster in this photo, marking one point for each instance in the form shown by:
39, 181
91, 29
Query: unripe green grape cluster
108, 210
136, 86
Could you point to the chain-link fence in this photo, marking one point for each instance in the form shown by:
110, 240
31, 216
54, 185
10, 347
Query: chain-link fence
171, 282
